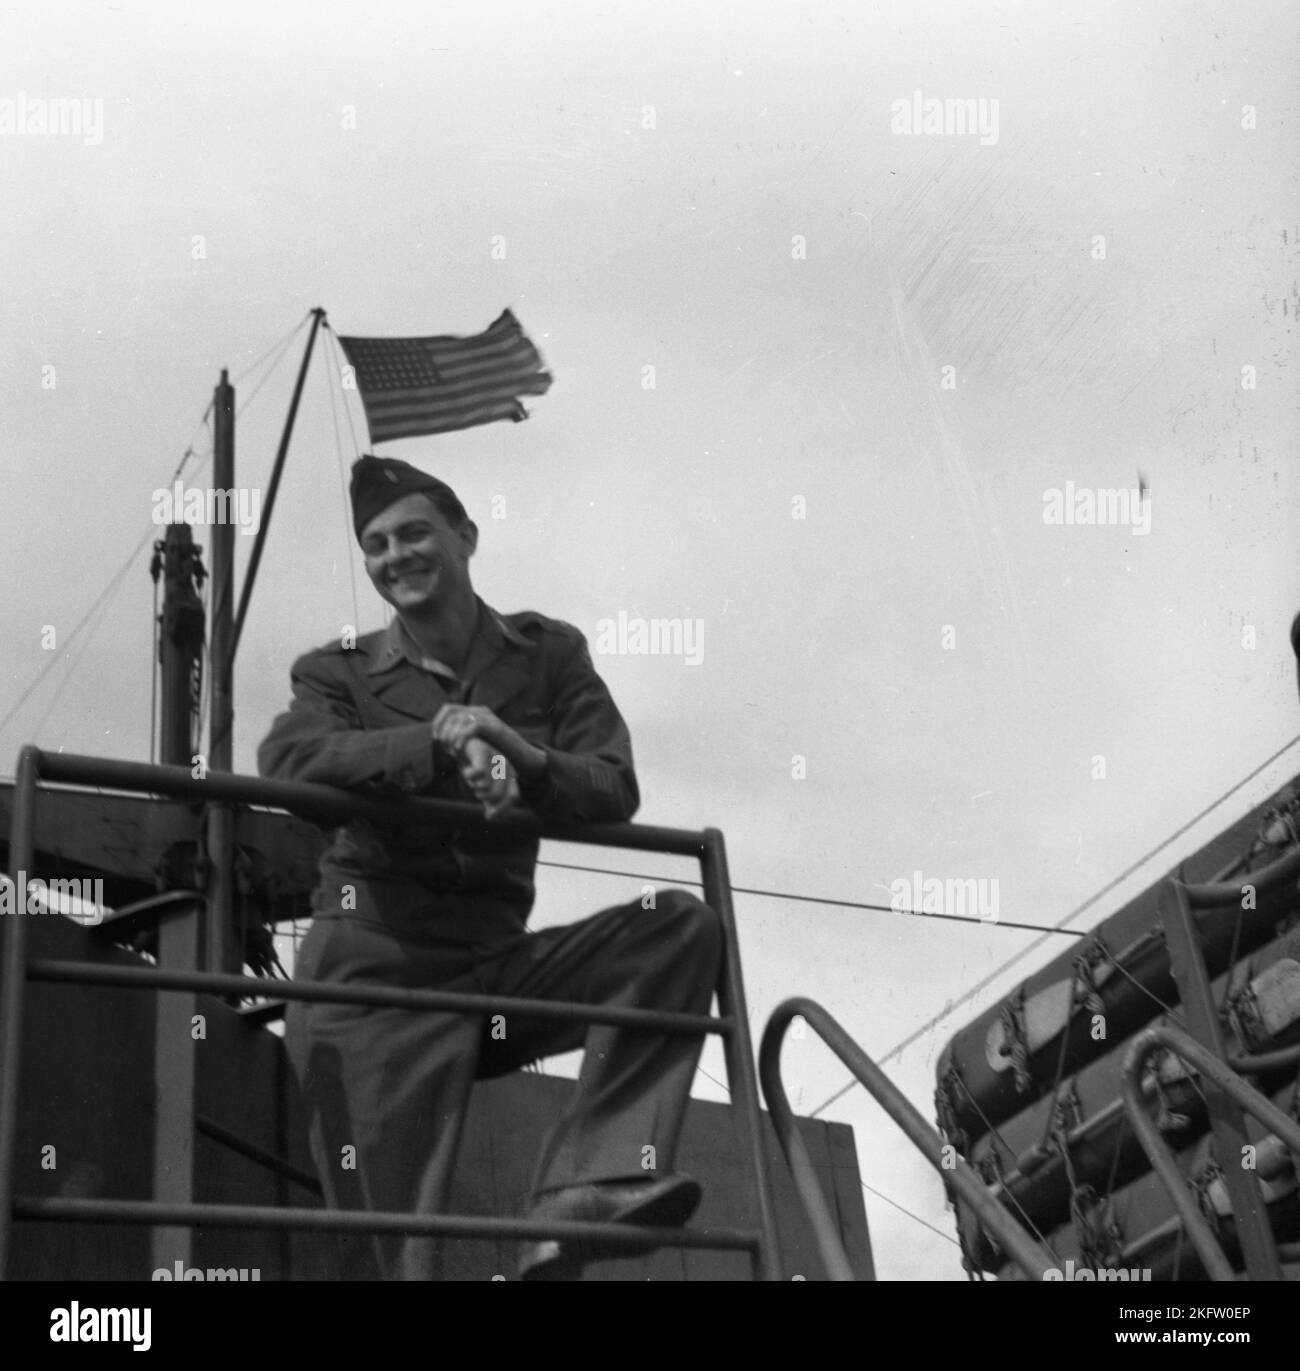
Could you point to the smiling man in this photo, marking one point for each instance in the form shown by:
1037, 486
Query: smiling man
458, 701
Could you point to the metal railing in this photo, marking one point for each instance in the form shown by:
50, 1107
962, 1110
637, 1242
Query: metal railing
328, 804
1201, 1018
1194, 1054
1033, 1259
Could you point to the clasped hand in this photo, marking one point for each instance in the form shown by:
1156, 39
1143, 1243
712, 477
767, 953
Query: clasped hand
464, 731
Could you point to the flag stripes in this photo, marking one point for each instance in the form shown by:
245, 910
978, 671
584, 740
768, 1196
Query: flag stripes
412, 386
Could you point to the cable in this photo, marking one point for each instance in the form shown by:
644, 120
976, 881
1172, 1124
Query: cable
338, 354
813, 899
67, 643
945, 1236
1174, 1016
1060, 1061
282, 344
154, 634
270, 371
71, 638
343, 482
1074, 913
189, 447
1008, 1194
72, 664
189, 453
722, 1085
75, 660
1237, 924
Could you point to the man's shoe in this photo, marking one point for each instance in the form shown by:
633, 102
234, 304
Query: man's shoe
666, 1203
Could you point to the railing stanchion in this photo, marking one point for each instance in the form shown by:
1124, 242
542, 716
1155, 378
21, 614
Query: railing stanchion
1227, 1122
13, 984
739, 1052
175, 1064
1217, 1072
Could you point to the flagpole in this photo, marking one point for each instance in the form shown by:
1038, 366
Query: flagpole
250, 576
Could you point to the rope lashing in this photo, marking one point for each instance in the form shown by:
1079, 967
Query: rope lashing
1094, 955
1012, 1019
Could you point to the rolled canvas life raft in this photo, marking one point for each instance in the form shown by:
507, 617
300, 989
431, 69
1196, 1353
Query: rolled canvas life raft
1030, 1092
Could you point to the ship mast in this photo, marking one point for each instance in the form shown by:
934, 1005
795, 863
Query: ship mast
220, 955
224, 942
180, 645
203, 937
181, 935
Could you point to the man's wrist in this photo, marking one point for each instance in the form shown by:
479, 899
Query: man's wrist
529, 761
532, 764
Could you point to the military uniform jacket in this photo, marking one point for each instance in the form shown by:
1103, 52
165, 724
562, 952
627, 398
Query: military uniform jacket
360, 719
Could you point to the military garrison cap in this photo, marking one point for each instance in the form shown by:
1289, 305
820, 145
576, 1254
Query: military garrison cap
378, 482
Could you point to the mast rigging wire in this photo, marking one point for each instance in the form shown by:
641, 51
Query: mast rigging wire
338, 367
71, 638
343, 483
282, 344
280, 349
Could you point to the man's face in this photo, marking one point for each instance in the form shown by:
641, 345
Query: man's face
415, 559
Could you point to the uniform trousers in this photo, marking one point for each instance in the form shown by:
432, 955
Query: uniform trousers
386, 1090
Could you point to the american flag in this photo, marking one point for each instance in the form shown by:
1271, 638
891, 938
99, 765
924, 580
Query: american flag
411, 386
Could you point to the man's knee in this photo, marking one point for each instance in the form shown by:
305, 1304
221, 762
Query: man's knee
693, 921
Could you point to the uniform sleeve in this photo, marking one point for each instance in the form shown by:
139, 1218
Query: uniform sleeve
319, 737
589, 771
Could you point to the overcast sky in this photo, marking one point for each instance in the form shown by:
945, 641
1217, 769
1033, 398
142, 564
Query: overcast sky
874, 352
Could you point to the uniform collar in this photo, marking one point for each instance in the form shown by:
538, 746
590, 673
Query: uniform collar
491, 633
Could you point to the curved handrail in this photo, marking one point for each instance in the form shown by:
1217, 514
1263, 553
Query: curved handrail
1158, 1151
1033, 1259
